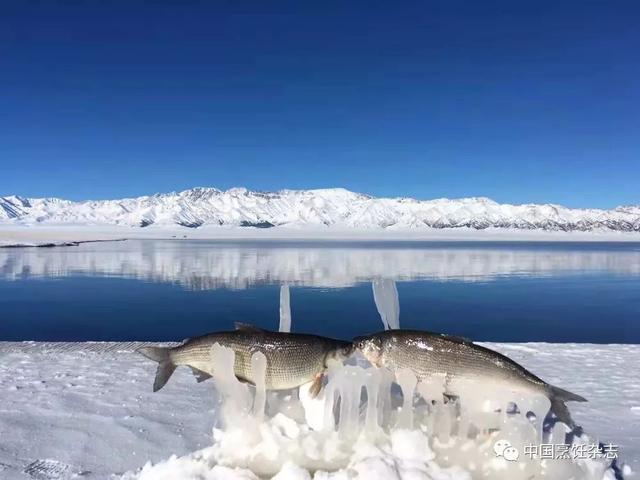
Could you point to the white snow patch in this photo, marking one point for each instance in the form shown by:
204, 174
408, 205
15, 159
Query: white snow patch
18, 234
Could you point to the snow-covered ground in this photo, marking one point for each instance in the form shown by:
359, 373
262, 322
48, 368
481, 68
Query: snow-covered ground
12, 234
87, 409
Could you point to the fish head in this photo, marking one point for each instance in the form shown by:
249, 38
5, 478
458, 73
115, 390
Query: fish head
371, 347
339, 352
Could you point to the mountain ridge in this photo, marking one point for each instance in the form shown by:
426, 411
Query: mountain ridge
331, 207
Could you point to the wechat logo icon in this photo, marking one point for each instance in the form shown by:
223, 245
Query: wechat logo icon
504, 449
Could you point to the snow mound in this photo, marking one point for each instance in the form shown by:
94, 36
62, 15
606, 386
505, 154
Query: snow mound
362, 426
404, 454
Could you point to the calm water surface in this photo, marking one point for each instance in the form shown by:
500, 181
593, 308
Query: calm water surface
169, 290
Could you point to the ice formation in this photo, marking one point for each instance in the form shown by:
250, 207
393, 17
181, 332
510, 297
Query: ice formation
385, 294
369, 424
285, 309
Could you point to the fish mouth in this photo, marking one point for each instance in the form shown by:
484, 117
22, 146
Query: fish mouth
370, 348
339, 353
346, 350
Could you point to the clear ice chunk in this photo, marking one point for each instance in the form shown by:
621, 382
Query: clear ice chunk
236, 398
259, 372
285, 309
407, 381
385, 295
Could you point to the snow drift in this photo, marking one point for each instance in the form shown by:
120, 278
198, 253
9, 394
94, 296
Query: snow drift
329, 207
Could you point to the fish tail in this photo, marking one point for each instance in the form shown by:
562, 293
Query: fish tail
165, 364
558, 397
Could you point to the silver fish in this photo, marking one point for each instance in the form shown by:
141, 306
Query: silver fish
292, 359
454, 359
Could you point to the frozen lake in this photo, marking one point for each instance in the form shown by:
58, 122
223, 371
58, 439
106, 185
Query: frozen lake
161, 290
54, 393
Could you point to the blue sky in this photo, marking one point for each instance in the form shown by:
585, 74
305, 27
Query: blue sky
518, 101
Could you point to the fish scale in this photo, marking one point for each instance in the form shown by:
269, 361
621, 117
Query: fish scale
429, 355
458, 362
292, 359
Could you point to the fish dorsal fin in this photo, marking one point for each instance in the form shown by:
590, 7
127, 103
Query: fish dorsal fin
247, 327
455, 338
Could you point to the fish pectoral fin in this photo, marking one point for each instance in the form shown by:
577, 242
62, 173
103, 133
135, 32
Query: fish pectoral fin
247, 327
316, 386
200, 375
244, 380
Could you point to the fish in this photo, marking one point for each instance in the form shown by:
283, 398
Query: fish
293, 359
454, 359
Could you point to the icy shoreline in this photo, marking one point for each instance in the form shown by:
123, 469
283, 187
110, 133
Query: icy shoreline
89, 408
16, 235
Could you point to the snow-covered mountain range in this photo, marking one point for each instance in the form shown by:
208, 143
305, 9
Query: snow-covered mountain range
327, 207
